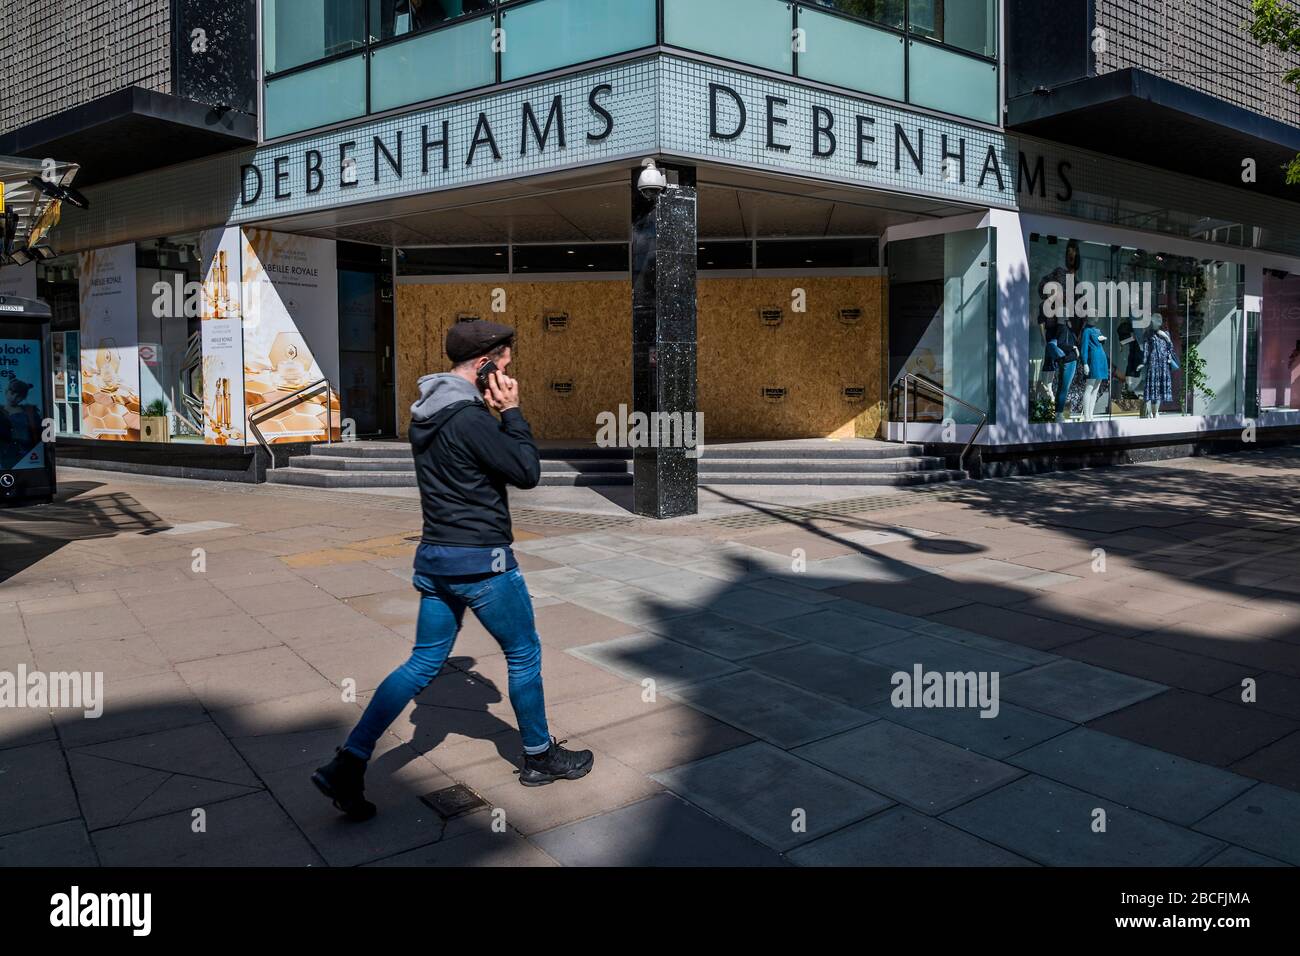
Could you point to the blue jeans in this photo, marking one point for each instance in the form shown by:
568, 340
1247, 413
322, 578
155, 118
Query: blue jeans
502, 604
1067, 379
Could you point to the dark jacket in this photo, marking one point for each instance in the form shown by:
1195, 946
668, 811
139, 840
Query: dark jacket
464, 459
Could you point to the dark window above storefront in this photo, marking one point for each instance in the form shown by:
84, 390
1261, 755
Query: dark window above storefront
1073, 80
189, 94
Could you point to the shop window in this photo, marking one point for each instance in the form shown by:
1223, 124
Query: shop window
596, 257
818, 253
725, 255
453, 261
885, 12
57, 283
395, 18
942, 304
1125, 332
168, 271
295, 32
970, 25
1279, 342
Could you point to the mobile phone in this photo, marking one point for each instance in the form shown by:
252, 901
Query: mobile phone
484, 374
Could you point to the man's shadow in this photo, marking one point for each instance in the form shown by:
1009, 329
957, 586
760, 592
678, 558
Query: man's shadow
456, 702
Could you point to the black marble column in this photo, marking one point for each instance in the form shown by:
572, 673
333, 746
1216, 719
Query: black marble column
663, 338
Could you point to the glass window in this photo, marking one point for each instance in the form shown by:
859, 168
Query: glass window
970, 25
57, 282
726, 254
942, 304
325, 94
295, 32
548, 34
817, 253
1279, 342
953, 82
589, 257
853, 55
886, 12
170, 343
453, 261
1121, 331
395, 18
712, 26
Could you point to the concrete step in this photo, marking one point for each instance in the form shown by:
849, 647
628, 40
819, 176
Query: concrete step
815, 465
321, 478
833, 478
370, 465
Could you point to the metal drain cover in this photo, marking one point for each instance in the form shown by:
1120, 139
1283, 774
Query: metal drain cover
453, 801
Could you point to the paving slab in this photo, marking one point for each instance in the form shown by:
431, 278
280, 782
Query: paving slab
1164, 665
662, 830
1076, 691
1235, 856
934, 653
631, 605
770, 709
234, 679
248, 831
668, 663
839, 629
823, 670
482, 846
1011, 731
1275, 693
1277, 763
35, 789
753, 605
722, 636
58, 844
1052, 824
903, 837
1262, 819
797, 803
664, 737
929, 775
1161, 784
1204, 729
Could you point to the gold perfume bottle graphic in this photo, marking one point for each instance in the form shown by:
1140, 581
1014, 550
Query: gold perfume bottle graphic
107, 365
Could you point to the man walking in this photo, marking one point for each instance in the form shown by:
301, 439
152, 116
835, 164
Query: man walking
464, 459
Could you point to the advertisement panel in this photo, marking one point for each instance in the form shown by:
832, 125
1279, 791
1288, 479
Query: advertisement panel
110, 364
223, 340
290, 316
20, 417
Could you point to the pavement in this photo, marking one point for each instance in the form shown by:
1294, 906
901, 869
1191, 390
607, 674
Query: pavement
737, 675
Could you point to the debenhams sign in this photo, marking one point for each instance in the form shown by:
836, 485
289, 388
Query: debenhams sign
665, 105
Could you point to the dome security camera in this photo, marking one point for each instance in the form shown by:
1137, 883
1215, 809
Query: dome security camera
652, 181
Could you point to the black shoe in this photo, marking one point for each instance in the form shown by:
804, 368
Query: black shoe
343, 780
555, 764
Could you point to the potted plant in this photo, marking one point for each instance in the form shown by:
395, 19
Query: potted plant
1198, 382
154, 422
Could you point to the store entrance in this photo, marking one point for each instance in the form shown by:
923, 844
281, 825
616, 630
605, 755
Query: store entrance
366, 360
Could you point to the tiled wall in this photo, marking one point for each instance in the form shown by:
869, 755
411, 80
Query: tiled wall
1202, 44
57, 54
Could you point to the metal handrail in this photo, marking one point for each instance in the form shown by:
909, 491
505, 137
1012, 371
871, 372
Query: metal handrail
910, 377
282, 404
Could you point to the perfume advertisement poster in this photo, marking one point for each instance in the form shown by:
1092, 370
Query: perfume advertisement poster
290, 309
110, 361
18, 281
223, 339
20, 418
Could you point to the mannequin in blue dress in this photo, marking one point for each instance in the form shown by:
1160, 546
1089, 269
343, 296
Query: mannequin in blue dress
1096, 366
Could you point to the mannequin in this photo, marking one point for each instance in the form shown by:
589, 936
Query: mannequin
1157, 362
1063, 348
1096, 366
1133, 362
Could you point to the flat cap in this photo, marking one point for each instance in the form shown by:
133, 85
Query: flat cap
469, 340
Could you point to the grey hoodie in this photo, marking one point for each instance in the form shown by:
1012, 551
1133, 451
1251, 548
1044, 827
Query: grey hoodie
439, 390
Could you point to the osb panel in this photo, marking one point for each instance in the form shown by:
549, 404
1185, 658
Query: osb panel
813, 355
594, 353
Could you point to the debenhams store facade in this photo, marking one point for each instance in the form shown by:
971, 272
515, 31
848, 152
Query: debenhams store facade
843, 215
